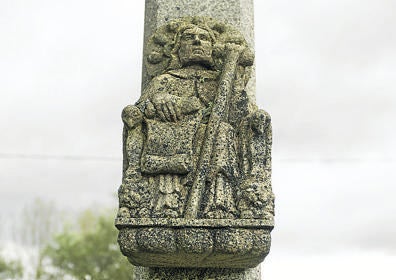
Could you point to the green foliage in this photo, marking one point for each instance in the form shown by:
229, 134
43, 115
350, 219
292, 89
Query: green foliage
10, 269
88, 252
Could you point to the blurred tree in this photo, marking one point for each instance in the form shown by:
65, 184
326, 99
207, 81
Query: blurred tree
39, 221
10, 269
89, 252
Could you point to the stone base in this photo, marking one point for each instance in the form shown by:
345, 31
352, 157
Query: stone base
199, 243
147, 273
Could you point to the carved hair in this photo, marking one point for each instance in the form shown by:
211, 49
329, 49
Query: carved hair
161, 50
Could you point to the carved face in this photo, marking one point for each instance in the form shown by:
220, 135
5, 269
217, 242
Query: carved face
195, 47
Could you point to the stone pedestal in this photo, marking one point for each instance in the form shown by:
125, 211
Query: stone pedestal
145, 273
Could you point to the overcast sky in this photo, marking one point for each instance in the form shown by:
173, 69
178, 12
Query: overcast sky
325, 71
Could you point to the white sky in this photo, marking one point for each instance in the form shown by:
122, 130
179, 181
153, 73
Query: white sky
325, 71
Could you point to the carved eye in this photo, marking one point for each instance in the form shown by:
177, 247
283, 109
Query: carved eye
187, 37
203, 37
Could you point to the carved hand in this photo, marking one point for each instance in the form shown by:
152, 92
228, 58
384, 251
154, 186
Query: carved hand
246, 56
131, 116
167, 107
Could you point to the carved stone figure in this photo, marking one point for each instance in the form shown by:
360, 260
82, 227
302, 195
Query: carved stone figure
195, 146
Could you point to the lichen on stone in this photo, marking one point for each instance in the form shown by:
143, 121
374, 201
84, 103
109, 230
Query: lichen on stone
196, 147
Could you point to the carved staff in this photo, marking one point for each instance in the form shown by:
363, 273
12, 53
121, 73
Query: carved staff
219, 113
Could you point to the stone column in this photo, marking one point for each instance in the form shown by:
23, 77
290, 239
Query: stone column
238, 13
144, 273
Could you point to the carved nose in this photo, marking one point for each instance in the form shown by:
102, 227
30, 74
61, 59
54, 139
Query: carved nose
196, 41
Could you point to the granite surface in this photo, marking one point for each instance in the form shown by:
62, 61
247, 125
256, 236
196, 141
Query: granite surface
144, 273
238, 13
196, 198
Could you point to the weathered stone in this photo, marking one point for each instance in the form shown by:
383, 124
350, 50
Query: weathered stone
144, 273
196, 190
195, 247
237, 13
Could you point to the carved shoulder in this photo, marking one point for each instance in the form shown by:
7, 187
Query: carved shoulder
157, 85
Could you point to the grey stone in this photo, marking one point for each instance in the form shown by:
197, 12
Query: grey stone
196, 199
144, 273
238, 13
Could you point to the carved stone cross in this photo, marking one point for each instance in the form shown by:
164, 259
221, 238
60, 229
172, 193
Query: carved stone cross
196, 200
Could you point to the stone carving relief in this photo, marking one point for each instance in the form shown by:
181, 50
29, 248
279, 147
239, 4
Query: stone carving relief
195, 146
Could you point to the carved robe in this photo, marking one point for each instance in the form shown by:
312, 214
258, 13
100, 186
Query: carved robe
170, 165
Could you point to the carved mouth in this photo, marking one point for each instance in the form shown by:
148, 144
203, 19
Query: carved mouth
198, 51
